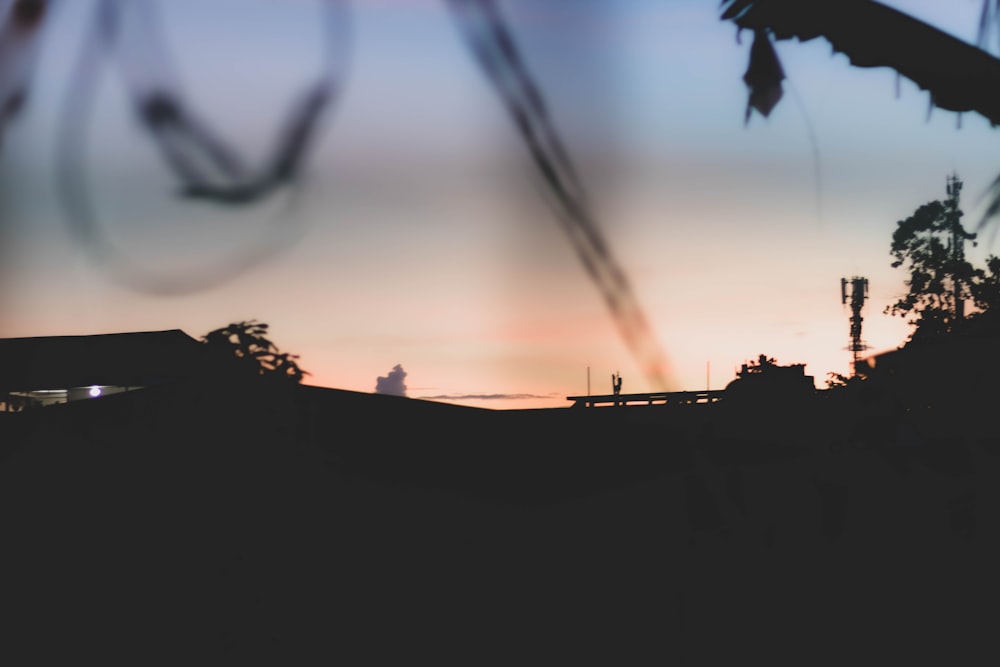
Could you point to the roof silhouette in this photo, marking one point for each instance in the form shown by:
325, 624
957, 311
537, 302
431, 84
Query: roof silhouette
124, 359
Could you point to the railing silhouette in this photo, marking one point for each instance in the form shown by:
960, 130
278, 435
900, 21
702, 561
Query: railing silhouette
653, 398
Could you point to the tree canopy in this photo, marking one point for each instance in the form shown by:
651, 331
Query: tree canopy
247, 342
942, 282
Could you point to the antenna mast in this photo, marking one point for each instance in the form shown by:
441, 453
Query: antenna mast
954, 188
858, 293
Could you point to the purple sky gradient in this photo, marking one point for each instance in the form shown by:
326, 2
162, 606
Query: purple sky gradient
423, 238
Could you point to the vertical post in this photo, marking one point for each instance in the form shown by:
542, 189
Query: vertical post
954, 187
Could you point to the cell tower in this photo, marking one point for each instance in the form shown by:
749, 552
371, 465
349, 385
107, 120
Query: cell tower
858, 293
956, 244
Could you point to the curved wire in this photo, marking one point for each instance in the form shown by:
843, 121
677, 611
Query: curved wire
205, 164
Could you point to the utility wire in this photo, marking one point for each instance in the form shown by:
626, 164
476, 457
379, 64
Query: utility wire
492, 43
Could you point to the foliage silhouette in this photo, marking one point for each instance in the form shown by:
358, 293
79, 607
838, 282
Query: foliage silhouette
958, 76
257, 355
839, 381
762, 364
764, 381
930, 245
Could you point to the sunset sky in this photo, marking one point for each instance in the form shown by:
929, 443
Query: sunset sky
422, 238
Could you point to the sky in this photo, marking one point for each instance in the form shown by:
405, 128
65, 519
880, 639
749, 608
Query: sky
420, 243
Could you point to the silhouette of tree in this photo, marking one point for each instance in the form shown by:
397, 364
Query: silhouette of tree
247, 342
762, 364
841, 382
986, 290
836, 380
930, 244
764, 380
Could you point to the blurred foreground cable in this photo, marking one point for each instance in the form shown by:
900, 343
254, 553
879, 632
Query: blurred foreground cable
206, 166
493, 45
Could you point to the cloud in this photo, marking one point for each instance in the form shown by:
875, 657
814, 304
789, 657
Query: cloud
482, 397
393, 383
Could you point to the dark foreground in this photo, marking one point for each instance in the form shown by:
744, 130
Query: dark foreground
224, 525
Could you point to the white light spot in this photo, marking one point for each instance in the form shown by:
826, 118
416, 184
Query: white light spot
95, 391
